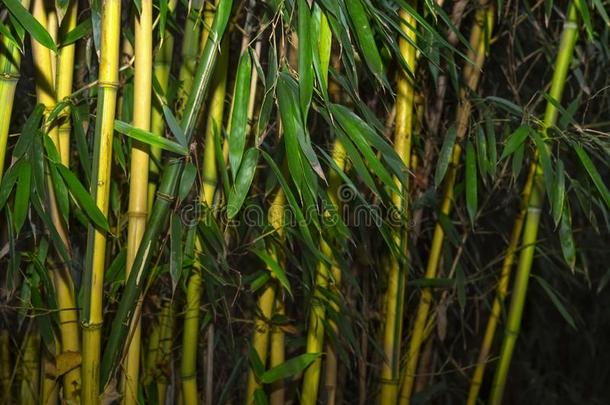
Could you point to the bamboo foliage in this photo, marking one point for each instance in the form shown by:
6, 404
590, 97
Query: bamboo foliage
266, 244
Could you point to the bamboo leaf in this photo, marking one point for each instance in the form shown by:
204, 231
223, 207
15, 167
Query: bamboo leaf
243, 182
255, 362
471, 182
545, 160
175, 263
174, 126
82, 197
275, 269
366, 39
289, 368
305, 58
566, 238
8, 181
444, 156
514, 141
31, 25
22, 195
81, 30
187, 180
149, 138
239, 115
559, 191
556, 301
593, 173
29, 131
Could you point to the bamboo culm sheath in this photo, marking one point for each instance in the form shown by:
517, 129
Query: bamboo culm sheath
567, 43
165, 196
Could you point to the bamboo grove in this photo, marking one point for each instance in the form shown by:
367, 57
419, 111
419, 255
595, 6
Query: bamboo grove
304, 201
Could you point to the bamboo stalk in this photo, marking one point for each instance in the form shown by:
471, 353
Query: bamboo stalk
394, 296
325, 275
501, 291
167, 321
567, 43
138, 185
479, 39
93, 282
190, 52
266, 301
161, 71
10, 61
277, 354
194, 285
64, 79
62, 280
29, 393
5, 366
166, 194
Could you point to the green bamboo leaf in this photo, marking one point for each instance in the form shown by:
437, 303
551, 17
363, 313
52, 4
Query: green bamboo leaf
174, 126
444, 156
305, 58
6, 33
31, 25
507, 105
275, 269
593, 173
22, 196
559, 191
29, 131
82, 197
149, 138
81, 30
81, 143
116, 271
482, 154
255, 362
556, 301
366, 39
517, 161
471, 182
583, 9
61, 193
289, 368
175, 262
260, 398
515, 140
492, 156
187, 180
545, 160
243, 182
566, 238
239, 114
8, 181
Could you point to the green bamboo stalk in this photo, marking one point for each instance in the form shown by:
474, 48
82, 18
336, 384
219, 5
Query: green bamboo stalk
565, 54
165, 195
194, 285
190, 52
29, 393
93, 282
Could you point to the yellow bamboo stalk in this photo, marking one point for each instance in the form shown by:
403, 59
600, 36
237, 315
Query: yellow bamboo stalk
266, 301
394, 297
138, 184
479, 39
150, 362
10, 61
5, 366
64, 79
277, 354
30, 370
62, 280
161, 70
100, 184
